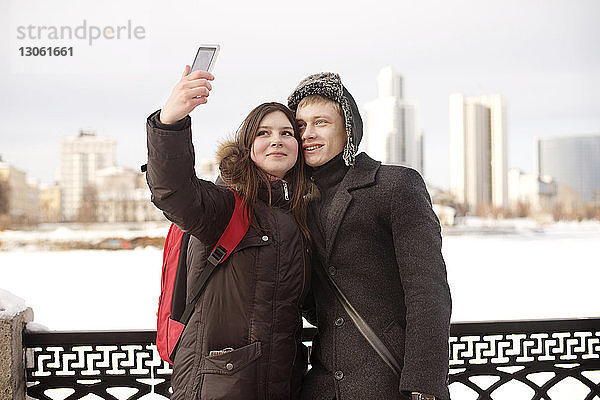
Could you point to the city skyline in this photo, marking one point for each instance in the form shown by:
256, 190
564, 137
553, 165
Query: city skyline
59, 168
542, 58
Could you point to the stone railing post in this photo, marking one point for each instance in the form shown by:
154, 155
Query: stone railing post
12, 370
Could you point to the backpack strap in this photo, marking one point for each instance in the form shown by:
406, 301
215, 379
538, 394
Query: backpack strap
231, 237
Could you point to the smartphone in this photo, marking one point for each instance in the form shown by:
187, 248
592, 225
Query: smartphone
205, 58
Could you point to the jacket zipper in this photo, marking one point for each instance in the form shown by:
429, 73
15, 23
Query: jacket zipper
285, 191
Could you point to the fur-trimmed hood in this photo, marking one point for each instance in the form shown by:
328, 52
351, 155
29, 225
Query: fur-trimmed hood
232, 159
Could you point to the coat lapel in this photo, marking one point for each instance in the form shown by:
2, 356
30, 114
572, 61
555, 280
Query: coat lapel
318, 238
360, 175
339, 204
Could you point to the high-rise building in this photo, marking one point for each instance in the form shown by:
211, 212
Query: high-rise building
50, 203
478, 151
33, 200
392, 130
573, 162
122, 195
19, 204
81, 157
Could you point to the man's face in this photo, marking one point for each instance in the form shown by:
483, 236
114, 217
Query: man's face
323, 132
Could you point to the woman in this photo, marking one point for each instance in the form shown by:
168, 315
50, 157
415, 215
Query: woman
244, 338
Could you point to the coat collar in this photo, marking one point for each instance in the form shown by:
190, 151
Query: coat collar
281, 194
279, 188
362, 173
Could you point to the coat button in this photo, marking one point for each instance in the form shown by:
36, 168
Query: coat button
229, 366
332, 271
339, 321
265, 238
339, 375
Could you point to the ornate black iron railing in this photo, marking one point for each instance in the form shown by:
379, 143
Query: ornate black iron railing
99, 362
539, 355
484, 357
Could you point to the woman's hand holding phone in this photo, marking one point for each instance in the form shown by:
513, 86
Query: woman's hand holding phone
191, 91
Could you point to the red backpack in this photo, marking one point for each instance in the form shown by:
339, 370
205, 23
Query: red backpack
173, 311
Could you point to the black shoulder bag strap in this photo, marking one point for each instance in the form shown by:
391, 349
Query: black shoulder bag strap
360, 323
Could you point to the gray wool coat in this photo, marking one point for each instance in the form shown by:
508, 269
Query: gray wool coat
382, 246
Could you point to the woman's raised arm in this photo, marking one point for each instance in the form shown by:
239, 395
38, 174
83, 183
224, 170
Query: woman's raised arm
198, 207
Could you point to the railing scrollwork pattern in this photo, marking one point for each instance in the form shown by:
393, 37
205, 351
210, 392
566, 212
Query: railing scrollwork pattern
538, 354
484, 356
95, 362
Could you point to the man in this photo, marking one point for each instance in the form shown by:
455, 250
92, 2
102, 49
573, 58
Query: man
377, 238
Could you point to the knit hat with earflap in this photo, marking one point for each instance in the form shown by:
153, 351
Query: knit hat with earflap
329, 85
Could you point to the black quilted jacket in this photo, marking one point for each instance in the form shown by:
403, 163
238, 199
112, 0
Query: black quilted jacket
251, 306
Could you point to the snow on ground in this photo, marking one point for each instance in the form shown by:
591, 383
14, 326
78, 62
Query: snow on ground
10, 305
528, 276
86, 289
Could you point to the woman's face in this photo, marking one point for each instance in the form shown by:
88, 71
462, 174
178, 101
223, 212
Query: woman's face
275, 149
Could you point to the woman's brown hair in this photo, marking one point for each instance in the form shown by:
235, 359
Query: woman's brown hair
240, 172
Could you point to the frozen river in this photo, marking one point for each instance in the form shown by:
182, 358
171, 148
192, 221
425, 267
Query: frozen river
531, 275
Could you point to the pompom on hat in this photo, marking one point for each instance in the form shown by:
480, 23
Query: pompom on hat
329, 85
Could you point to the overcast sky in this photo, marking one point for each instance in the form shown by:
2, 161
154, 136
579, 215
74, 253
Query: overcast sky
542, 56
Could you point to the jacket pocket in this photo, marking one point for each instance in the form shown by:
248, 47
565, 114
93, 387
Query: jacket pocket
232, 375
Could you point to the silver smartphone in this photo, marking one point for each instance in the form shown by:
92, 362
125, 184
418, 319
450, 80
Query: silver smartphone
205, 58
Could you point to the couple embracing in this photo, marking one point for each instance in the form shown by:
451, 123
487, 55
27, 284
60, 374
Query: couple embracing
352, 245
